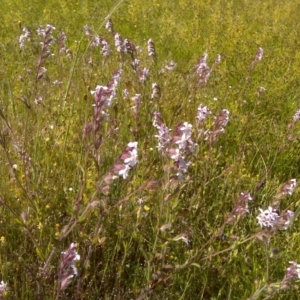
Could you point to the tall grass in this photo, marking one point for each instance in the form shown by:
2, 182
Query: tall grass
149, 150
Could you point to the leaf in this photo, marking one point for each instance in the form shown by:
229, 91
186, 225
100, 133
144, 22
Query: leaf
39, 253
195, 265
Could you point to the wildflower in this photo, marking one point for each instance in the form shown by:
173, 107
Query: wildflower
62, 41
174, 154
155, 91
284, 220
259, 54
151, 48
130, 154
105, 50
26, 36
222, 119
144, 75
103, 97
171, 66
67, 268
140, 201
258, 57
260, 91
165, 227
185, 132
95, 41
3, 288
126, 161
291, 273
45, 32
183, 237
122, 171
125, 94
241, 208
41, 73
117, 76
296, 116
242, 204
267, 218
135, 63
57, 82
119, 42
88, 31
38, 100
182, 137
163, 135
129, 47
202, 69
288, 188
182, 164
218, 59
109, 25
137, 102
216, 62
203, 112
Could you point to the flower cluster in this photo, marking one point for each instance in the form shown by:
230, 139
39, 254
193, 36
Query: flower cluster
155, 91
202, 69
137, 100
25, 36
143, 75
258, 57
295, 119
103, 97
163, 135
124, 46
62, 45
45, 32
129, 48
168, 66
151, 48
109, 25
126, 161
203, 113
296, 116
67, 268
241, 208
135, 64
123, 164
119, 43
46, 42
267, 218
291, 273
219, 125
270, 218
96, 41
176, 146
287, 188
183, 137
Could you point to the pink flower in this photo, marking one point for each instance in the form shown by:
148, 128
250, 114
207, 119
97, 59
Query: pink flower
267, 218
151, 48
203, 112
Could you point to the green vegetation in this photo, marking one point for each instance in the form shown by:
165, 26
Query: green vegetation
166, 159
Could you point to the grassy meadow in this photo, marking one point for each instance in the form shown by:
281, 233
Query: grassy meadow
149, 149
